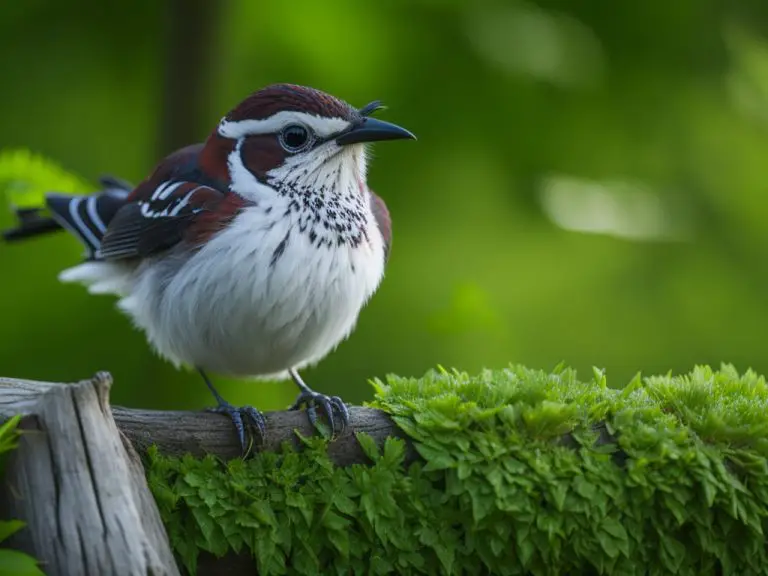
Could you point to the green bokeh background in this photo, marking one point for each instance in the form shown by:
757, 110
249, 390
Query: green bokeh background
589, 184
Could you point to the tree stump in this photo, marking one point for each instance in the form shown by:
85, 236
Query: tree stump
79, 487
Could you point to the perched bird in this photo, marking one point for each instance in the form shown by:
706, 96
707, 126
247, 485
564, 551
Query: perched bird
249, 255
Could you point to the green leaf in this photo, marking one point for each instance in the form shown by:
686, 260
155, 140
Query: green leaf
673, 553
618, 533
9, 434
394, 452
243, 518
608, 544
14, 563
26, 177
9, 527
526, 550
205, 522
599, 377
305, 561
368, 444
333, 521
436, 459
446, 555
263, 513
340, 541
584, 488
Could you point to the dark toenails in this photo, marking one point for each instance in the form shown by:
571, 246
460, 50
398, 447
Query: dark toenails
241, 417
333, 408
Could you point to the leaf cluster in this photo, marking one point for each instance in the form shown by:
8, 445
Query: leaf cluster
26, 177
13, 562
522, 472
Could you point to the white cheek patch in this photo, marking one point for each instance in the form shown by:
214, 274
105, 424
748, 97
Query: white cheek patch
323, 127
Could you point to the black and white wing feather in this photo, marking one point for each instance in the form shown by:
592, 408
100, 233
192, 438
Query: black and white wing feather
156, 219
87, 216
84, 216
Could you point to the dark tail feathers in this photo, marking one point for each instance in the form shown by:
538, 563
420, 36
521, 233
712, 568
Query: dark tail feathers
85, 216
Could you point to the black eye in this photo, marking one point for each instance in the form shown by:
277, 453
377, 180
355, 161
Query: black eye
295, 138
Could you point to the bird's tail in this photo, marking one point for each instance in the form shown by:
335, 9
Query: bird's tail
84, 216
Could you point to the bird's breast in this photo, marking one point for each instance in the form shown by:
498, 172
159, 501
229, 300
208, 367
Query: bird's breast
280, 289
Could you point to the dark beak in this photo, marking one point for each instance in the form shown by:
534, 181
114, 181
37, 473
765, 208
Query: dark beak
372, 130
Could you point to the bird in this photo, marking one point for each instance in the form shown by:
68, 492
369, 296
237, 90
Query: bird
249, 255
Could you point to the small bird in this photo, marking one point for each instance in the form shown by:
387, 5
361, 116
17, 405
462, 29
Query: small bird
249, 255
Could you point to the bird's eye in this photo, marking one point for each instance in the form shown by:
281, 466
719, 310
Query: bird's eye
295, 138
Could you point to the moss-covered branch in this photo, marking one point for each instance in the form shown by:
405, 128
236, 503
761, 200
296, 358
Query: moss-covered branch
668, 475
512, 471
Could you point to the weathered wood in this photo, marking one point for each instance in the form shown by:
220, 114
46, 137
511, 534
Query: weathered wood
80, 488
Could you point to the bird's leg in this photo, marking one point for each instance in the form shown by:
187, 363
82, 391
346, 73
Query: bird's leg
236, 414
330, 404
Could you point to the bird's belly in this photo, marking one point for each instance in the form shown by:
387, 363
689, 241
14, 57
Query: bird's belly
251, 309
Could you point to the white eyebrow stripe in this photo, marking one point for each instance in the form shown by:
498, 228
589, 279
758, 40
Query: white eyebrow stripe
321, 126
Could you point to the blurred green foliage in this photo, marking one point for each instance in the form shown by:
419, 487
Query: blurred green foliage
588, 184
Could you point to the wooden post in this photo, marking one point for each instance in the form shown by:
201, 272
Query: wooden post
79, 487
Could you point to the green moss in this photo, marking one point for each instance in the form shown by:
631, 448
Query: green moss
523, 472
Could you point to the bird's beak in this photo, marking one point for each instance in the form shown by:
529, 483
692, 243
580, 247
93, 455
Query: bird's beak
372, 130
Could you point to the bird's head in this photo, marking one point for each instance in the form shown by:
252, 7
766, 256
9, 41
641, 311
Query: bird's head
294, 138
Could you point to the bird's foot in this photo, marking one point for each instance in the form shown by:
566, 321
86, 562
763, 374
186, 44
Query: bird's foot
241, 417
330, 405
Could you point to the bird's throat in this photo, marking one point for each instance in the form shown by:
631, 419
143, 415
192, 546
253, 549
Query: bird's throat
329, 204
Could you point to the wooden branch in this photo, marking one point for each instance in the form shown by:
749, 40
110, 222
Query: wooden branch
200, 433
79, 488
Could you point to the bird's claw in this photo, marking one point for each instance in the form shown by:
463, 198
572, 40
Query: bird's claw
329, 404
252, 417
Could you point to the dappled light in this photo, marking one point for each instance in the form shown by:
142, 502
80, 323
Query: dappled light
525, 40
619, 209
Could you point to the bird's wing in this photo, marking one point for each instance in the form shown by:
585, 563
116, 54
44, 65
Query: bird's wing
383, 221
176, 203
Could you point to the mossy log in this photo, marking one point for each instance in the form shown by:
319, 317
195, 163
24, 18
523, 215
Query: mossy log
513, 471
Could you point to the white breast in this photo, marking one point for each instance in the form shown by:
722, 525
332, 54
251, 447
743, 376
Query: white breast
245, 307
